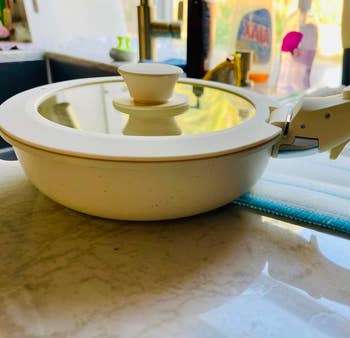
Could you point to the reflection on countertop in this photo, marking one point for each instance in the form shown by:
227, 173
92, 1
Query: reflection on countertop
19, 52
226, 273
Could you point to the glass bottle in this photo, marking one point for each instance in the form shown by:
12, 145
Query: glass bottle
297, 56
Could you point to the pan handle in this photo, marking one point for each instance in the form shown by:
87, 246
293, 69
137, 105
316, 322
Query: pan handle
314, 123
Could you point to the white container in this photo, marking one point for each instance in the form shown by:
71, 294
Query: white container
226, 140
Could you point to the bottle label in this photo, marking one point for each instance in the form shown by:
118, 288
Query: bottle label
255, 33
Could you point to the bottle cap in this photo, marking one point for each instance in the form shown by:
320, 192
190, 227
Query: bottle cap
305, 5
258, 77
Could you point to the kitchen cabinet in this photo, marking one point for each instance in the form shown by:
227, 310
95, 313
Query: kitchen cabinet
17, 75
69, 66
63, 70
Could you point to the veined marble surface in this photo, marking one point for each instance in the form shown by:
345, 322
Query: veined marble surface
227, 273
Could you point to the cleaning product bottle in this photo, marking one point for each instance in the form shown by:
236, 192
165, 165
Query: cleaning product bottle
123, 50
298, 50
253, 30
2, 6
4, 31
7, 16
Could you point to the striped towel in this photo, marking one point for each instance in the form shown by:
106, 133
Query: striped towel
314, 190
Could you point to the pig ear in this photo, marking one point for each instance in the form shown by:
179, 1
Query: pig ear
335, 152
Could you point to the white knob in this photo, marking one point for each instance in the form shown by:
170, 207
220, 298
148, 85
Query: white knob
150, 83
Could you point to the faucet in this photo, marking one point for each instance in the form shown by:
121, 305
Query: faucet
149, 29
234, 70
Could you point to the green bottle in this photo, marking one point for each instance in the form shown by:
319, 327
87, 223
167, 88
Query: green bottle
2, 6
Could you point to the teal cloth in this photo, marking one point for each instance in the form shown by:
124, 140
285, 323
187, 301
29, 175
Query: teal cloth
314, 190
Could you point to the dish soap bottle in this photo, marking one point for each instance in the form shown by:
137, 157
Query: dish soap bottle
298, 50
255, 33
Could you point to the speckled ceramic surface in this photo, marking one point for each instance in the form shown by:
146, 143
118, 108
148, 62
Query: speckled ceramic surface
75, 147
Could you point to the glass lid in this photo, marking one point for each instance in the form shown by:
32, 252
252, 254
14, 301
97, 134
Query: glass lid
91, 107
95, 118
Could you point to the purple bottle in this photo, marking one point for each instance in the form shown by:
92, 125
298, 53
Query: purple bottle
298, 50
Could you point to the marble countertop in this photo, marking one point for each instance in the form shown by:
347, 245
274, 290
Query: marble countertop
227, 273
104, 62
20, 56
92, 53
